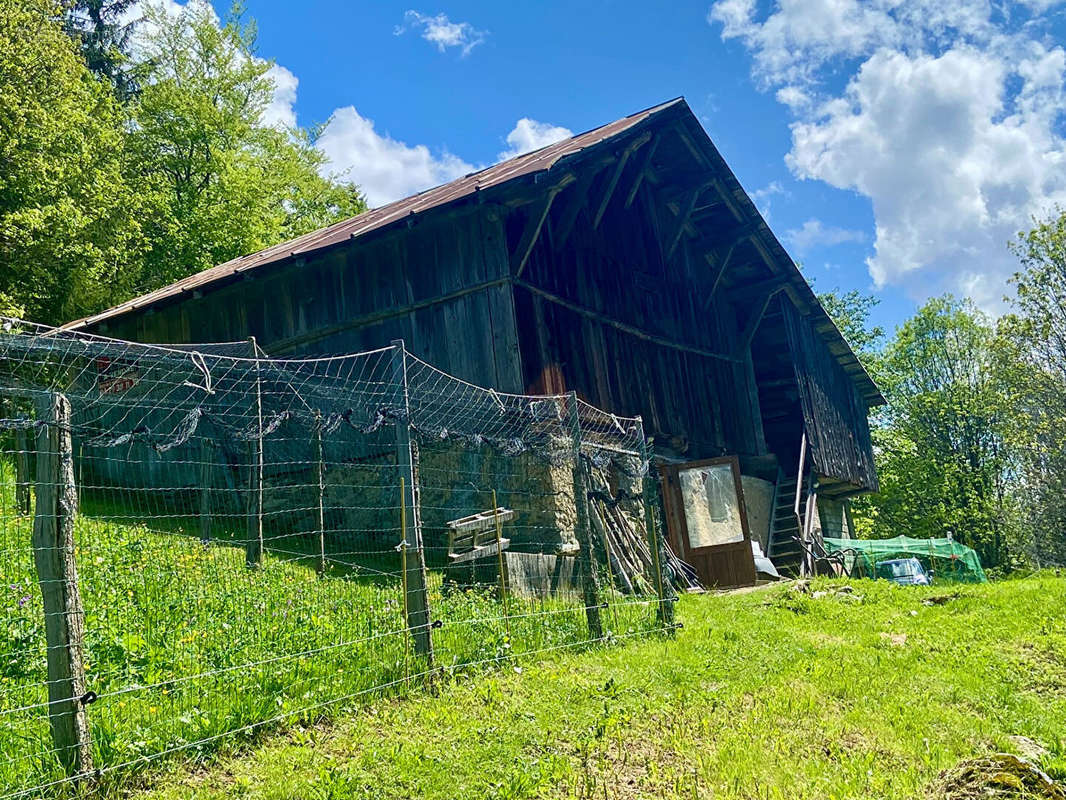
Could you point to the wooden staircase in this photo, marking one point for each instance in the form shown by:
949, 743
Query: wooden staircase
784, 551
793, 501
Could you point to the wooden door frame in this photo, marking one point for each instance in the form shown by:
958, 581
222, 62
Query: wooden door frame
677, 525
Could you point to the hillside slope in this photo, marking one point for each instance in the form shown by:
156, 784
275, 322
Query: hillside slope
770, 694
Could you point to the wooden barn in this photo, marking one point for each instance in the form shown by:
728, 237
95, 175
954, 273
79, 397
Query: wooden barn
626, 263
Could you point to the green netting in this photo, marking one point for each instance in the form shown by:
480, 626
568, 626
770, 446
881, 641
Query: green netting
946, 557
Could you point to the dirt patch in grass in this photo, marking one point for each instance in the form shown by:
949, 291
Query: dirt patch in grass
997, 776
621, 770
822, 639
1044, 668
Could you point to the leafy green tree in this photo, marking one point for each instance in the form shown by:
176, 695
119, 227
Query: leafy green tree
222, 182
851, 312
103, 29
68, 222
944, 460
1032, 361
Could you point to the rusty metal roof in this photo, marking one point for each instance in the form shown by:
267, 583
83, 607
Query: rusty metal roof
529, 164
537, 161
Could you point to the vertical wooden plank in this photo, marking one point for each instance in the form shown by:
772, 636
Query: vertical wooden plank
206, 478
754, 408
254, 545
417, 605
590, 588
848, 521
253, 542
656, 540
53, 551
320, 469
505, 351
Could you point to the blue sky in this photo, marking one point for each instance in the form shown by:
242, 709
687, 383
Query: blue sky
894, 145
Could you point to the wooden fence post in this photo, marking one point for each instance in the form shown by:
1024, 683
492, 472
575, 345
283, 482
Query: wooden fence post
22, 472
64, 619
656, 541
418, 617
590, 581
206, 476
320, 469
254, 544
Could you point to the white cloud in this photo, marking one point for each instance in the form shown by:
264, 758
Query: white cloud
385, 169
814, 234
528, 135
950, 121
281, 111
442, 32
763, 198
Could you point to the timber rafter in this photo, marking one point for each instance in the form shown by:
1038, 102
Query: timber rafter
642, 172
759, 306
535, 223
616, 176
577, 199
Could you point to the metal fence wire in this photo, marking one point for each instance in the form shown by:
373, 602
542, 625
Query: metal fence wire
200, 543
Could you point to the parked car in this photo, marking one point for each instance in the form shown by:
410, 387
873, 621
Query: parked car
904, 571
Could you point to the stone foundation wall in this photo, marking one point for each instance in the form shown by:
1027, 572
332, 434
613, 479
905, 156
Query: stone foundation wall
456, 482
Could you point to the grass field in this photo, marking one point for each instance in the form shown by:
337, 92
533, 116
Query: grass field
192, 654
769, 694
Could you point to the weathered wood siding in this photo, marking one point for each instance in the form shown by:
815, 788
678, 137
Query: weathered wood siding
833, 412
694, 403
441, 286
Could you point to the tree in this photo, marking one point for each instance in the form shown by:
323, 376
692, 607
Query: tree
1032, 359
851, 313
222, 181
943, 457
103, 29
68, 222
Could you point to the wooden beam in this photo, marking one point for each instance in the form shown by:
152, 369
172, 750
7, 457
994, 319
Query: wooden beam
752, 325
758, 289
682, 221
294, 342
771, 262
728, 199
721, 271
631, 148
753, 404
679, 129
577, 201
727, 236
701, 209
645, 169
535, 224
621, 326
801, 303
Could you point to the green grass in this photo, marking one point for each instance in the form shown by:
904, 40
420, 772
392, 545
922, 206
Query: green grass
769, 694
191, 652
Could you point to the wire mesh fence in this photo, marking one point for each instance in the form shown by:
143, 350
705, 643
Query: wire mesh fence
203, 543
